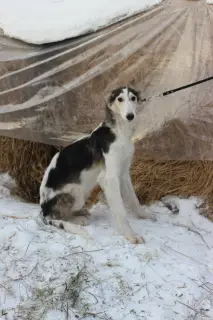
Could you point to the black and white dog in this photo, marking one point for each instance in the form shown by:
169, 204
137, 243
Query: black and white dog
103, 157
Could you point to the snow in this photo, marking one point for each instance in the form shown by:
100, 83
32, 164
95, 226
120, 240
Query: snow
46, 273
209, 1
44, 21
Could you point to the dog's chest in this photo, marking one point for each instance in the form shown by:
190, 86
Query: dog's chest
123, 148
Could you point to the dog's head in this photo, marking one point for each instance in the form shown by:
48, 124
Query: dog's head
124, 101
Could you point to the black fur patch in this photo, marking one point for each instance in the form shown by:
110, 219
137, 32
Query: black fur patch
115, 93
136, 93
47, 206
61, 225
109, 118
50, 222
80, 155
101, 139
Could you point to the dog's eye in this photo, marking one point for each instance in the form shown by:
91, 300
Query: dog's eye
133, 98
120, 99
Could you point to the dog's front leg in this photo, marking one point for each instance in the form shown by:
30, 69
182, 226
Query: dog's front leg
110, 184
130, 198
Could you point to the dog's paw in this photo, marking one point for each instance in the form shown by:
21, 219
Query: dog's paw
129, 234
170, 203
150, 216
134, 239
81, 220
143, 214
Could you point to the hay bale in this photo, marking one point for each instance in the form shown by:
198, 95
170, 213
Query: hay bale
25, 161
156, 179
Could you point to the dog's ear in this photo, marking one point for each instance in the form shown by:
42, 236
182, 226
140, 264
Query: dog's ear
111, 96
137, 93
107, 98
139, 97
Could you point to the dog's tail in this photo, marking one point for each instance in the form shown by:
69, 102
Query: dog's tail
69, 227
46, 211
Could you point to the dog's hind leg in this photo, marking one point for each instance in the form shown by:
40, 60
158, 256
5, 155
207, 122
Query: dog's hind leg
80, 217
63, 214
79, 213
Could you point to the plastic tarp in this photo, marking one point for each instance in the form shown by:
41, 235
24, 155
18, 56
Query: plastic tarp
55, 93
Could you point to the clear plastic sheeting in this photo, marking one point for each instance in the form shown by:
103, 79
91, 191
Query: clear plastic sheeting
55, 93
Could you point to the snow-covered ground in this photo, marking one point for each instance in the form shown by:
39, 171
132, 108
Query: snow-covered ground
44, 21
46, 273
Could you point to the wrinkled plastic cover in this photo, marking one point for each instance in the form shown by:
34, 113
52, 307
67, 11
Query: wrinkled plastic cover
56, 93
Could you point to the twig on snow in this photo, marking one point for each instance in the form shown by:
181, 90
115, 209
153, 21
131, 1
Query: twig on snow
25, 275
18, 259
1, 285
147, 290
193, 309
203, 285
16, 217
184, 255
99, 315
206, 287
191, 230
158, 274
80, 252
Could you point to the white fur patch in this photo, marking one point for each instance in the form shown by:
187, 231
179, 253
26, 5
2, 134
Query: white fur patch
88, 179
47, 193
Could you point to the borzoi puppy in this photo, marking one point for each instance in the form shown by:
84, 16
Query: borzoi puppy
103, 157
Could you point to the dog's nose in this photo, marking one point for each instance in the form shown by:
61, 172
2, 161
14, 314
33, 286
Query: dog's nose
130, 116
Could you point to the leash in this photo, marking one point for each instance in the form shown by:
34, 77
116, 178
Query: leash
166, 93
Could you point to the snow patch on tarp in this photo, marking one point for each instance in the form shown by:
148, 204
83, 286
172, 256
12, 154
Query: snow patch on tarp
51, 20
